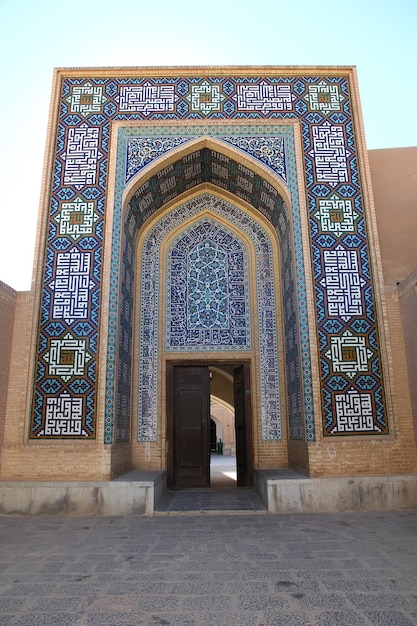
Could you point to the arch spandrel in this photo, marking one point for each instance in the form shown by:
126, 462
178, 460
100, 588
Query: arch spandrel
171, 154
207, 166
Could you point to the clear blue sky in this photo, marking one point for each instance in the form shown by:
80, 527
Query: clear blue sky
378, 36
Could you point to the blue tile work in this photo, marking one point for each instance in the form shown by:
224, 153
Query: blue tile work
207, 290
234, 332
206, 165
64, 401
212, 166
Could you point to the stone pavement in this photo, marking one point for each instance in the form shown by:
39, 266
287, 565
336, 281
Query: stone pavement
243, 569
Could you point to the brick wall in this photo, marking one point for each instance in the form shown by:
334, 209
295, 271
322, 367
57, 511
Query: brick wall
394, 182
24, 459
407, 291
8, 298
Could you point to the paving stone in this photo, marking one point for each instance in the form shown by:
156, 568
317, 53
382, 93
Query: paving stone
196, 588
263, 601
248, 618
56, 605
103, 619
389, 618
320, 600
383, 601
12, 604
208, 602
283, 618
355, 585
168, 619
298, 584
25, 590
43, 619
146, 602
338, 618
195, 570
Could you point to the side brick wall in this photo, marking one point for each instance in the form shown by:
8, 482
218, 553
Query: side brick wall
407, 291
23, 459
8, 298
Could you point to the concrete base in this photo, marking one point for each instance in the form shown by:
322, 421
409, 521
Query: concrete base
285, 491
133, 493
138, 493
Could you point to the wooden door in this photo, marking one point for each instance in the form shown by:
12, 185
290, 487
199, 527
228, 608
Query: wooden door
191, 427
242, 400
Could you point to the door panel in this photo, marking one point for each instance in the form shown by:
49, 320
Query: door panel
242, 401
191, 427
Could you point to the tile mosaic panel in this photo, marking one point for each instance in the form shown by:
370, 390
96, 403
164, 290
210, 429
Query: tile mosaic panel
353, 399
207, 291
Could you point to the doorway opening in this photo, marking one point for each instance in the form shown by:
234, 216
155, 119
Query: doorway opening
223, 471
209, 425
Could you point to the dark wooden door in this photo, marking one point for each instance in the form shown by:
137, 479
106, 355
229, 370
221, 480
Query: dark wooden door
191, 427
242, 400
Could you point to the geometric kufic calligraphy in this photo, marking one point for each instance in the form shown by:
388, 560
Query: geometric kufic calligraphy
206, 98
71, 285
81, 156
146, 98
330, 154
76, 218
336, 215
354, 413
264, 97
349, 354
342, 283
324, 98
64, 417
86, 99
67, 357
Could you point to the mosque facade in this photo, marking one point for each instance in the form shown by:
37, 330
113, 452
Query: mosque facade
207, 244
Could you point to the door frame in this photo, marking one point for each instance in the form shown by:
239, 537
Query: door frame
170, 417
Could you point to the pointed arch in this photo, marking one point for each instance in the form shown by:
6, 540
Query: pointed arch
175, 177
223, 222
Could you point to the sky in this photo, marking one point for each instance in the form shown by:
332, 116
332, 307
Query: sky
36, 36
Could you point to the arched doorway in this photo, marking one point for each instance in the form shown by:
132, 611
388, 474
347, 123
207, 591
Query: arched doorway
266, 334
